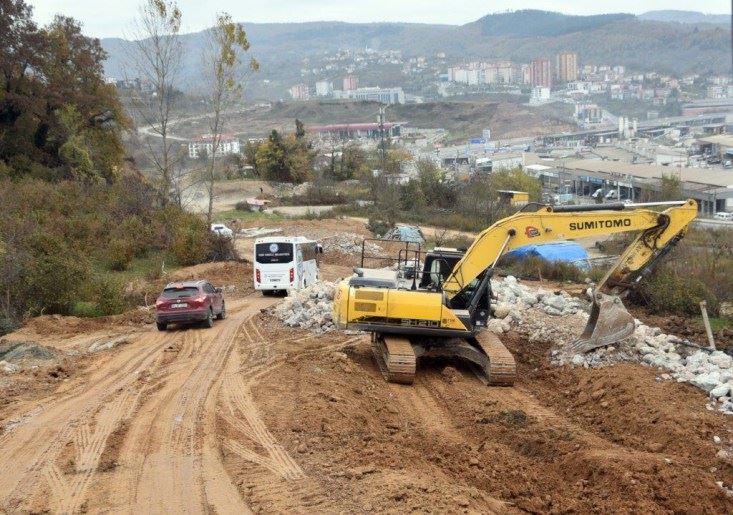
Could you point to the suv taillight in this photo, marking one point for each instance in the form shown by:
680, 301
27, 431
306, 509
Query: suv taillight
257, 276
199, 300
292, 275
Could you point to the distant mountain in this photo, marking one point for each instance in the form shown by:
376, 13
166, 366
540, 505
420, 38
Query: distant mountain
534, 23
520, 36
685, 17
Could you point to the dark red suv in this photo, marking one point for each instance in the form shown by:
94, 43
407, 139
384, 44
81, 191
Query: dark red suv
188, 302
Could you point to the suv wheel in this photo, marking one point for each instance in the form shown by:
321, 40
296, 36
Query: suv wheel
162, 326
209, 322
223, 313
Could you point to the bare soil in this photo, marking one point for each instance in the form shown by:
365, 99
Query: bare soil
250, 416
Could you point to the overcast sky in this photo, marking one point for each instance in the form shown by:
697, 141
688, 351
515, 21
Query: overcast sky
106, 18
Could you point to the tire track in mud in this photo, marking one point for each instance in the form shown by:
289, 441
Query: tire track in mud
274, 480
85, 420
168, 450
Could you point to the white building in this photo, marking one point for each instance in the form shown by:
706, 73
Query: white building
539, 94
324, 88
228, 144
373, 94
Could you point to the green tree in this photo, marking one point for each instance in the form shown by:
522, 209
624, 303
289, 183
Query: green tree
228, 43
46, 75
286, 159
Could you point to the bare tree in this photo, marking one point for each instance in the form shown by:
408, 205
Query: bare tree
223, 61
155, 59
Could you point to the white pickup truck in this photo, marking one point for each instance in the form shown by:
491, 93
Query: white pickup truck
222, 230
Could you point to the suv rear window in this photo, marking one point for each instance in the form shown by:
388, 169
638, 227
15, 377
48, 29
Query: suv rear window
274, 252
174, 293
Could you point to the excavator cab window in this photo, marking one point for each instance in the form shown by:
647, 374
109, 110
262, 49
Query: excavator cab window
437, 268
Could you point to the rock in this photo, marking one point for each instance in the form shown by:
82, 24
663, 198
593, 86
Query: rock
556, 302
461, 501
720, 359
721, 390
529, 299
302, 448
9, 368
707, 381
553, 311
716, 439
309, 308
501, 310
495, 326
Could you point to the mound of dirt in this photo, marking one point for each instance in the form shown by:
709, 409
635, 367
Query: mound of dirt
19, 352
58, 325
220, 274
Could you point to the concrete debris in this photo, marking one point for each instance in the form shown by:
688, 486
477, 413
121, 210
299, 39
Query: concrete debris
309, 308
350, 244
9, 368
107, 343
17, 352
711, 371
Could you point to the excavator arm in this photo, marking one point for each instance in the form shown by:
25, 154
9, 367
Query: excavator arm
609, 320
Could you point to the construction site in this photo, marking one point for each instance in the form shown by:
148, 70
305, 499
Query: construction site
275, 409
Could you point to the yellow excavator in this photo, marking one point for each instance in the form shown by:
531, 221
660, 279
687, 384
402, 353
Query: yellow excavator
442, 308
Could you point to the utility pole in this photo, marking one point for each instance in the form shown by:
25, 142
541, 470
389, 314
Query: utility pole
380, 119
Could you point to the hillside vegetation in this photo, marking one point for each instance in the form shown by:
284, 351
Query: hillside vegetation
520, 35
75, 216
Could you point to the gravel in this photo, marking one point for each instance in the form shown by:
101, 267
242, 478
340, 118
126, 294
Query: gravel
350, 244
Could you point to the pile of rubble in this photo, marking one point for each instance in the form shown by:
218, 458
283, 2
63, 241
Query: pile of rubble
349, 244
309, 308
525, 309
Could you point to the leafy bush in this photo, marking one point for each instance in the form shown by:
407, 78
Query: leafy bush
221, 249
536, 268
52, 233
190, 242
52, 281
378, 226
86, 309
668, 292
108, 293
119, 254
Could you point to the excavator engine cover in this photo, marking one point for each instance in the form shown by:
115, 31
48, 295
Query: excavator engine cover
608, 323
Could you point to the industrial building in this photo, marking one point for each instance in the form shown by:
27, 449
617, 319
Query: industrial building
712, 189
373, 94
347, 131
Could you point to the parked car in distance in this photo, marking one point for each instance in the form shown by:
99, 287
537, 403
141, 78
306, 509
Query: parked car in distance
722, 215
222, 230
189, 302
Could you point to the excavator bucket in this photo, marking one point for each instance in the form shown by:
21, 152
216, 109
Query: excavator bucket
609, 323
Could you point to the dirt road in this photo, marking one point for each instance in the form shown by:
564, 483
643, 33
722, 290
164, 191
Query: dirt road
250, 416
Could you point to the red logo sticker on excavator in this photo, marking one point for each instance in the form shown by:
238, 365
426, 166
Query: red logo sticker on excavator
531, 232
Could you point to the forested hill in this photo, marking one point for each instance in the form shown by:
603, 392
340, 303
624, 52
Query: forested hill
521, 35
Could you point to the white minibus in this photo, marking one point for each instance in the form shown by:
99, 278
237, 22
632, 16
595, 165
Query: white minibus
285, 263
